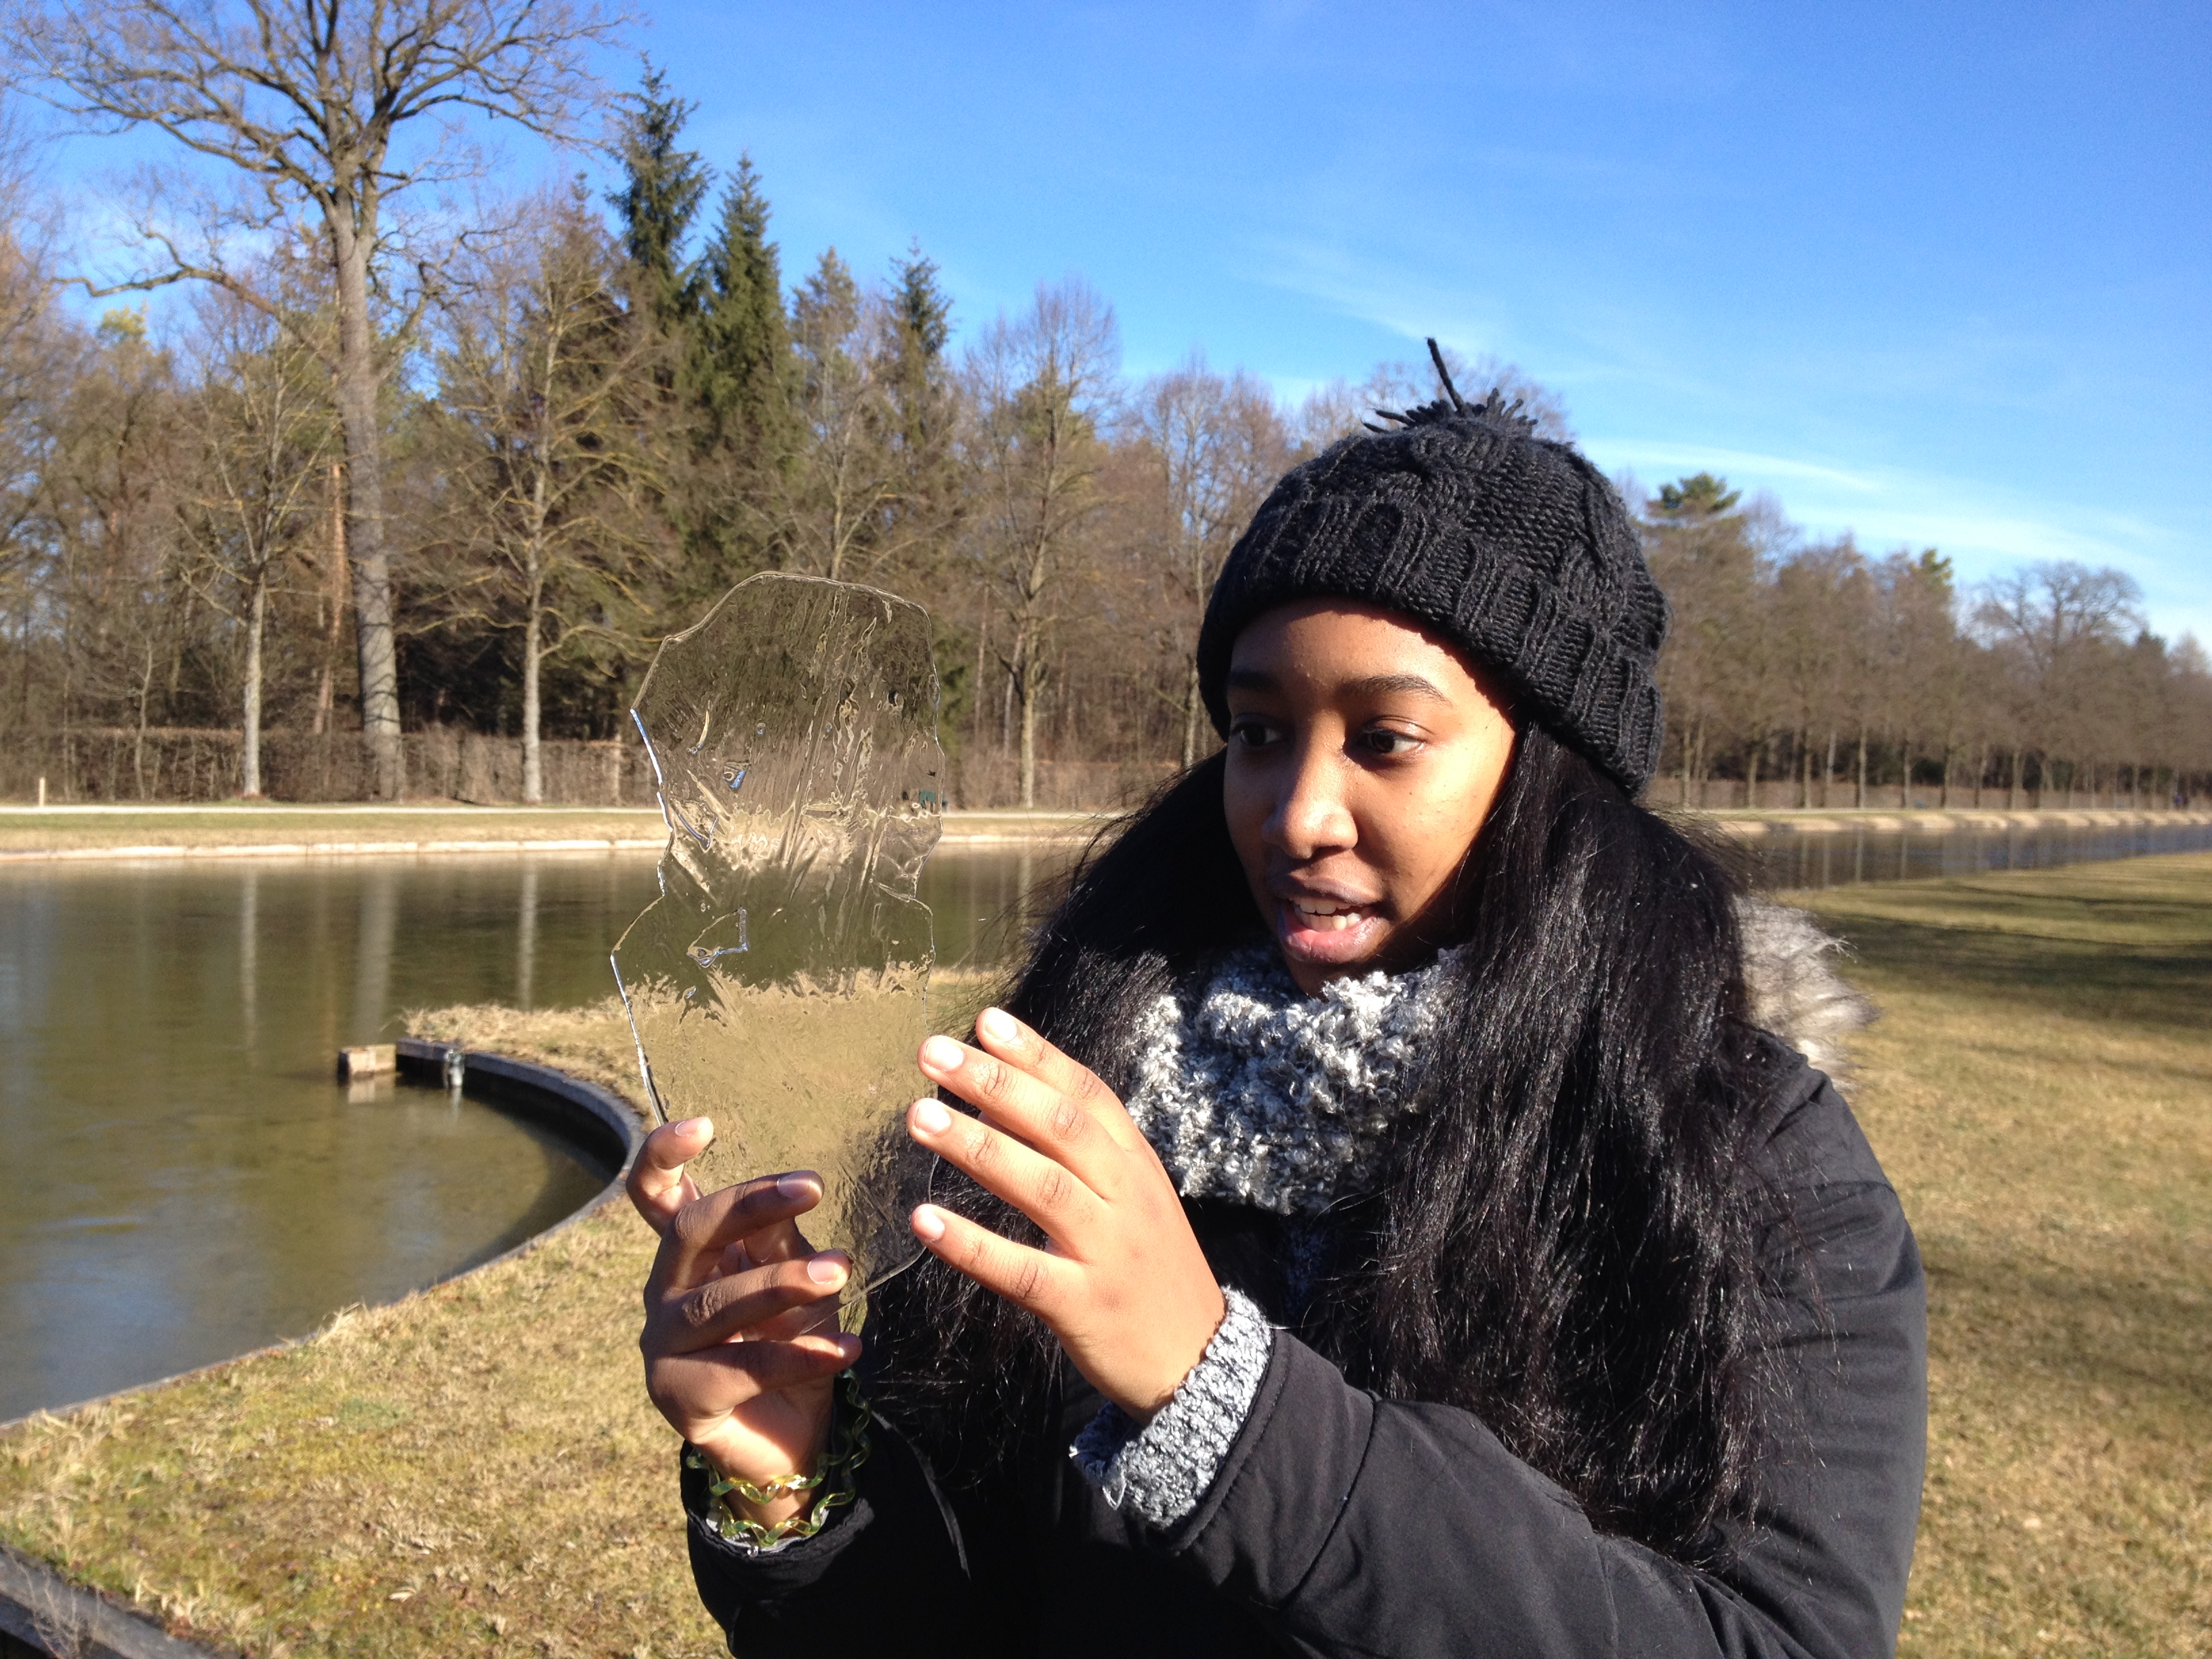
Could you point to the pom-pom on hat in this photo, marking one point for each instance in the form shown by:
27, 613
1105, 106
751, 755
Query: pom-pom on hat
1513, 545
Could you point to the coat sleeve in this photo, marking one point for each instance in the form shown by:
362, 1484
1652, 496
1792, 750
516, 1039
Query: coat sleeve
1353, 1525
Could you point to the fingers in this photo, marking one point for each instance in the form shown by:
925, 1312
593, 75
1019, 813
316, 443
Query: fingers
658, 1187
712, 1382
1004, 1036
694, 1239
1070, 1124
1028, 1278
1040, 1188
742, 1304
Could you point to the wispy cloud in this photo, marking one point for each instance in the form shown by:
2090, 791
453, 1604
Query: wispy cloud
1985, 528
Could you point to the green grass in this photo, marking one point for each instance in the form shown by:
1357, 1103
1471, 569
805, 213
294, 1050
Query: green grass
475, 1470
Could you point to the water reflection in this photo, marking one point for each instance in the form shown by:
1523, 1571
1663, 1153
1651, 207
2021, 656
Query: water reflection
1852, 855
183, 1180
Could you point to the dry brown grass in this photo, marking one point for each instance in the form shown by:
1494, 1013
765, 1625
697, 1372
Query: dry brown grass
2040, 1090
475, 1470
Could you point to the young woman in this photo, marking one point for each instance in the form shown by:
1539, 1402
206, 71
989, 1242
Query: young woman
1379, 1226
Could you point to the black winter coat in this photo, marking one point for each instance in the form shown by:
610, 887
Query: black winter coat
1344, 1524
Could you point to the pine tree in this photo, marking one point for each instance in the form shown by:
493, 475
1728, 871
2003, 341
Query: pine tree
660, 196
921, 326
744, 367
1702, 497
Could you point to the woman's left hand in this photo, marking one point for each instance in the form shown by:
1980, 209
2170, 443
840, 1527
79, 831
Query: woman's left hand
1123, 1283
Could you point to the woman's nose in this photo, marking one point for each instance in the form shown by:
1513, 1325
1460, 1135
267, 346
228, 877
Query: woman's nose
1311, 816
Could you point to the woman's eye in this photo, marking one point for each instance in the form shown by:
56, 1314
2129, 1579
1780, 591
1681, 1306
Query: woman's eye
1381, 740
1256, 733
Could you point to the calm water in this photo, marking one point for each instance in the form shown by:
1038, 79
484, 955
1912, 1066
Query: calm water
1845, 857
182, 1182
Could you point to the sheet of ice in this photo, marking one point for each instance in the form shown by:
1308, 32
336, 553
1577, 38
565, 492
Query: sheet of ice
780, 983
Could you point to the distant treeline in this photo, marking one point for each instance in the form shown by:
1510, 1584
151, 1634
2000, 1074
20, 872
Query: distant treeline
603, 413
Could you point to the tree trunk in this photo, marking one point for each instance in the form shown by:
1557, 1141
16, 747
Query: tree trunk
334, 596
1751, 778
249, 743
1805, 770
139, 748
356, 396
1030, 676
533, 626
1828, 770
533, 759
1859, 799
1689, 742
1191, 701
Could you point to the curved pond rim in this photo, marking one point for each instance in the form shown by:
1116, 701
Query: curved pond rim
603, 1133
44, 1610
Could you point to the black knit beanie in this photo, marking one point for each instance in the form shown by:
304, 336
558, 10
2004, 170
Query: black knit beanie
1513, 545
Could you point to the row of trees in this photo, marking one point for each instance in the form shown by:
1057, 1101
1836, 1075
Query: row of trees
1811, 661
462, 465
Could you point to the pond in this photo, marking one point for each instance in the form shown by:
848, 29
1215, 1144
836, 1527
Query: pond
183, 1181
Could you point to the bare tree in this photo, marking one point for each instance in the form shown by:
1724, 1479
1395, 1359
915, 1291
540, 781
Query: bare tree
842, 479
1038, 385
2054, 625
544, 374
1215, 443
264, 440
330, 110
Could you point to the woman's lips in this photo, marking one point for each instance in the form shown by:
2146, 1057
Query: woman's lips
1326, 932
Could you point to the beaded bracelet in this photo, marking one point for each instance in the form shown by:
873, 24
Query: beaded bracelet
849, 1449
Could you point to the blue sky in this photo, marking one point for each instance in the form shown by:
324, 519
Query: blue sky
1935, 273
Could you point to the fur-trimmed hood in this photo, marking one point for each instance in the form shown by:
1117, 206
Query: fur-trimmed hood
1790, 971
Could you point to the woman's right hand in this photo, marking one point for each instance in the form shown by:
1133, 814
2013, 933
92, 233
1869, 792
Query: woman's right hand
741, 1343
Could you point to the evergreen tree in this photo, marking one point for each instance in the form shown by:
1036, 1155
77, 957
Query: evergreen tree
663, 187
1702, 497
920, 380
744, 367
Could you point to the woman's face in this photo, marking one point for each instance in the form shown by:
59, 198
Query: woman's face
1364, 752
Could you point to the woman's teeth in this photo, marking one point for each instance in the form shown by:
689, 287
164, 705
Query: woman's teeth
1326, 918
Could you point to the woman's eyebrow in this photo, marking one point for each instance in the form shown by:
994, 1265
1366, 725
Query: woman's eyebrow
1383, 685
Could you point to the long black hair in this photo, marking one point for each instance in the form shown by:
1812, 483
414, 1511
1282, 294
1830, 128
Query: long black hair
1567, 1245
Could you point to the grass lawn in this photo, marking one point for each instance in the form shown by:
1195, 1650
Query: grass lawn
475, 1470
2040, 1090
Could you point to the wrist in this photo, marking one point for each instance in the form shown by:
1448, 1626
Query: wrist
762, 1511
1143, 1411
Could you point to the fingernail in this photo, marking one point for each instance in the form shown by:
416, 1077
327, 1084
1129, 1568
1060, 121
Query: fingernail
929, 1223
931, 1117
692, 1126
997, 1024
943, 1052
825, 1269
799, 1183
850, 1346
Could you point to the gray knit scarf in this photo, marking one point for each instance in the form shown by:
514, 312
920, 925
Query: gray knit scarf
1250, 1090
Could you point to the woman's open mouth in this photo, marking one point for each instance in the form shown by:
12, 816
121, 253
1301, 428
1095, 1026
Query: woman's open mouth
1326, 932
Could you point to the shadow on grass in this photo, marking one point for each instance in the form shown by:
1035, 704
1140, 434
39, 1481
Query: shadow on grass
2141, 983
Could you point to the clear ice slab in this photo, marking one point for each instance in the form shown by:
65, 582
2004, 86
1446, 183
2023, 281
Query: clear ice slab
780, 983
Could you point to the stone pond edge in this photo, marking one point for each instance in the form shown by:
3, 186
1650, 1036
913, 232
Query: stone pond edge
45, 1610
